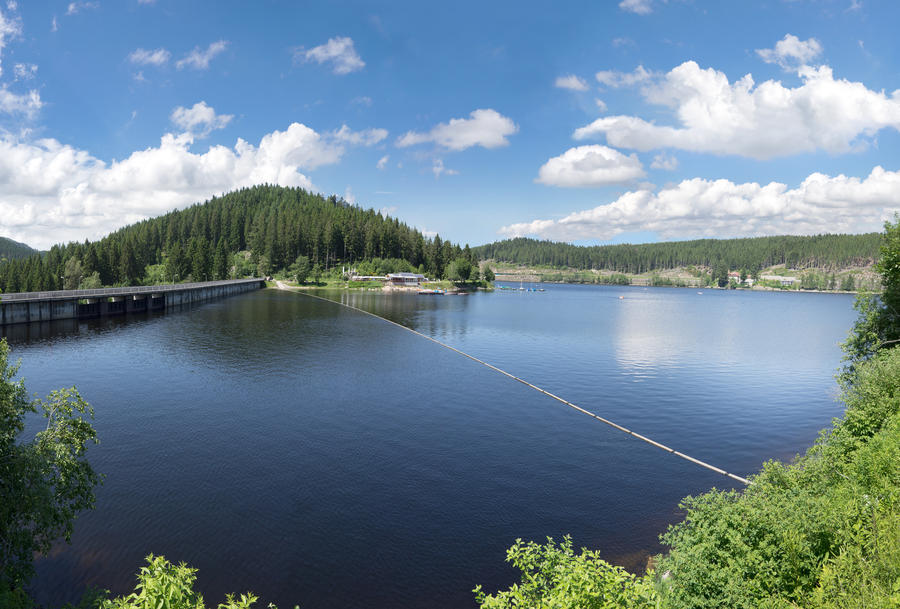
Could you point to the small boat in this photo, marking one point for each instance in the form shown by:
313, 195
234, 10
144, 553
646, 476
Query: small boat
430, 292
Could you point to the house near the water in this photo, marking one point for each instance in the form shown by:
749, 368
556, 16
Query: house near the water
410, 279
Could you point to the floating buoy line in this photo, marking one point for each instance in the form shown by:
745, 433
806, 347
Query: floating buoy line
593, 415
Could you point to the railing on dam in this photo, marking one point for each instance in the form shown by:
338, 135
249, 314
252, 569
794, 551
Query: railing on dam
106, 292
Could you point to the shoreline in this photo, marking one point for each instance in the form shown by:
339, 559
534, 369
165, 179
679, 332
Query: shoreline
387, 289
688, 287
392, 289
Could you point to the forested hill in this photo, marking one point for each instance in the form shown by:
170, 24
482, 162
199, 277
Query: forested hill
271, 226
10, 249
818, 251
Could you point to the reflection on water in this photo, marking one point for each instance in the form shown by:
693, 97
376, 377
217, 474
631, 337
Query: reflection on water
317, 456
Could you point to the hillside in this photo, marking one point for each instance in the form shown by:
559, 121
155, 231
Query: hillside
825, 252
10, 249
252, 231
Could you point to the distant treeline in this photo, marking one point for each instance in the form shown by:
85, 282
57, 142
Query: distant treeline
252, 231
10, 249
753, 254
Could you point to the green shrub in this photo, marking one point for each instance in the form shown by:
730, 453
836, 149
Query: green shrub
163, 585
554, 577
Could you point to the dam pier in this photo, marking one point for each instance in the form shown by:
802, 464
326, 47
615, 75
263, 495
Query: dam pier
27, 307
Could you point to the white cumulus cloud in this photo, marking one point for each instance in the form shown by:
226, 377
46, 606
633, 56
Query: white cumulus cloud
571, 82
487, 128
758, 121
200, 119
721, 208
382, 162
791, 52
199, 59
51, 192
339, 52
156, 57
590, 166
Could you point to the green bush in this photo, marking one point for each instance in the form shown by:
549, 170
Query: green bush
163, 585
554, 577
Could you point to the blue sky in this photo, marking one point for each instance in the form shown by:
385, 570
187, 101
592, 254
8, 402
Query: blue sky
634, 120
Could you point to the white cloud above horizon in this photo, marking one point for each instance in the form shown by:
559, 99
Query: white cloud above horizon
144, 57
484, 127
639, 7
25, 71
76, 7
339, 52
23, 104
615, 79
199, 59
52, 192
199, 120
790, 52
366, 137
438, 169
761, 121
590, 167
720, 208
664, 161
571, 82
10, 28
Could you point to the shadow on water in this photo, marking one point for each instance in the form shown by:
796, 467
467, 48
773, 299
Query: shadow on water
38, 331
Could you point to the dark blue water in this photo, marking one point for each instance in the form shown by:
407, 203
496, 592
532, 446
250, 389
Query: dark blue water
322, 457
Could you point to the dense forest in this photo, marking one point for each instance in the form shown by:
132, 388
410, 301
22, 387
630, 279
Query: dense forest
10, 249
250, 232
819, 251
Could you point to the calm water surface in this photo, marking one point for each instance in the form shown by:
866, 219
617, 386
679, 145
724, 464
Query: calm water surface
321, 457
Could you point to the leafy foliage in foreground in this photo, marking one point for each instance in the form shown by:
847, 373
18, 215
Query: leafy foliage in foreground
163, 585
878, 324
554, 577
44, 482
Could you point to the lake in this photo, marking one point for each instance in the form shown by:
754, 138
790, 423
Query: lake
321, 457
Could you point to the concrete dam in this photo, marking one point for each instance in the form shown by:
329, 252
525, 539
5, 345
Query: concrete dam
26, 307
